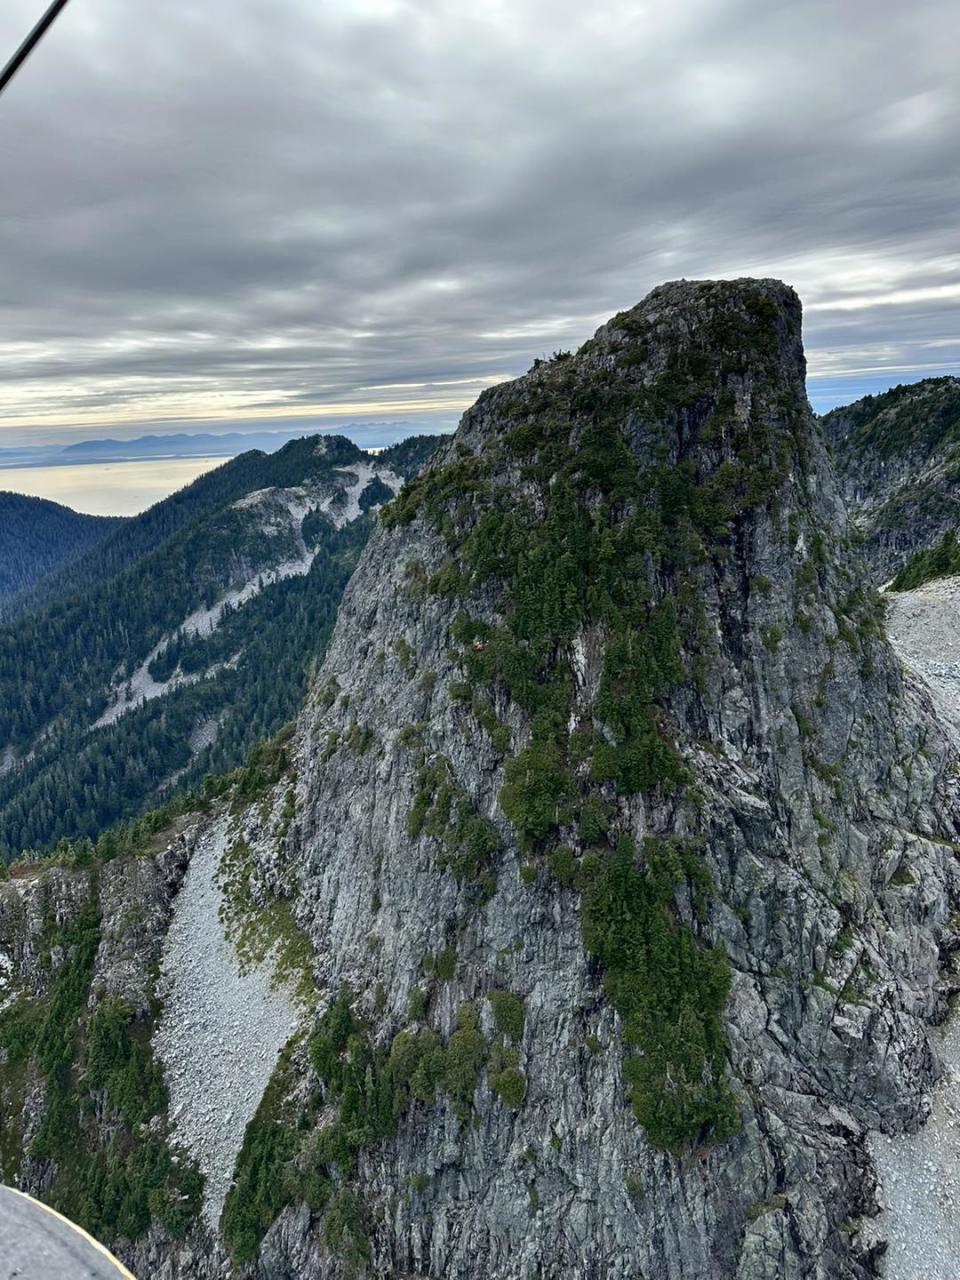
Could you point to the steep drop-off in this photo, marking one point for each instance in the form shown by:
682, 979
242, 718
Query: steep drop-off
617, 839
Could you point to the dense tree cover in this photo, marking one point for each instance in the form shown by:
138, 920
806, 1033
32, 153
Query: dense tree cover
56, 665
136, 538
96, 1067
37, 537
80, 781
408, 456
941, 561
75, 644
912, 416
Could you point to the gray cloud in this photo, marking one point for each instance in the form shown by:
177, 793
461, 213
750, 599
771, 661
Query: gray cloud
222, 210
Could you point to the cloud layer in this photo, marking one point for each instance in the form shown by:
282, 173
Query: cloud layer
380, 206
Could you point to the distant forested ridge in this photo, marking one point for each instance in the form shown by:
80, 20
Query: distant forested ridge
897, 456
134, 538
218, 624
38, 537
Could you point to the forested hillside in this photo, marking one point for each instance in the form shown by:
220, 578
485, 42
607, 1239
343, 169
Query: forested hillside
37, 537
112, 697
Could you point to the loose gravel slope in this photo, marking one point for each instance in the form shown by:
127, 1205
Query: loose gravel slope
221, 1030
919, 1174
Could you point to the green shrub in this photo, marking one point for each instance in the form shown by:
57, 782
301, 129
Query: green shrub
417, 1005
446, 963
506, 1078
772, 637
442, 810
594, 820
510, 1086
538, 790
563, 865
331, 1038
507, 1013
669, 992
464, 1060
416, 1066
346, 1229
406, 655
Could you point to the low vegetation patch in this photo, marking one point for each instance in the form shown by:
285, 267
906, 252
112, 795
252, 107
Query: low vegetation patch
287, 1158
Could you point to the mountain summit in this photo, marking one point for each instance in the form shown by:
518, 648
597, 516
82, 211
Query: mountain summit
608, 867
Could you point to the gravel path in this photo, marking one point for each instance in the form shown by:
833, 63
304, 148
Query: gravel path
220, 1033
919, 1174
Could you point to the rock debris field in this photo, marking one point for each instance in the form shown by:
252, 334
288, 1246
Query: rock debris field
924, 628
220, 1032
919, 1174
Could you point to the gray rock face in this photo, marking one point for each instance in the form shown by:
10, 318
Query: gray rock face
918, 1174
897, 460
820, 774
823, 804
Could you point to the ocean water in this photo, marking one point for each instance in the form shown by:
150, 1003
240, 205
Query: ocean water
108, 488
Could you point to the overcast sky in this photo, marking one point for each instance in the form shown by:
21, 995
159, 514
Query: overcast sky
238, 209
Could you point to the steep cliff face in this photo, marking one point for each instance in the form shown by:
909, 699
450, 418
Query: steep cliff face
620, 612
898, 463
613, 850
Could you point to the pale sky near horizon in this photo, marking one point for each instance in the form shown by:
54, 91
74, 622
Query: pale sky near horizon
273, 209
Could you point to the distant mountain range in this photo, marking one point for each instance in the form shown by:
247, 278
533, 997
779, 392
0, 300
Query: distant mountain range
168, 646
208, 444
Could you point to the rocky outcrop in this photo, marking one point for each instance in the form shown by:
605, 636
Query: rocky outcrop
621, 840
815, 777
898, 463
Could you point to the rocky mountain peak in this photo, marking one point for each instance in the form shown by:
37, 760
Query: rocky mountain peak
608, 726
688, 345
613, 850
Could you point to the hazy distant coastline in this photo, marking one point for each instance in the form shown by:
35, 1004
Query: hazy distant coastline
209, 444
